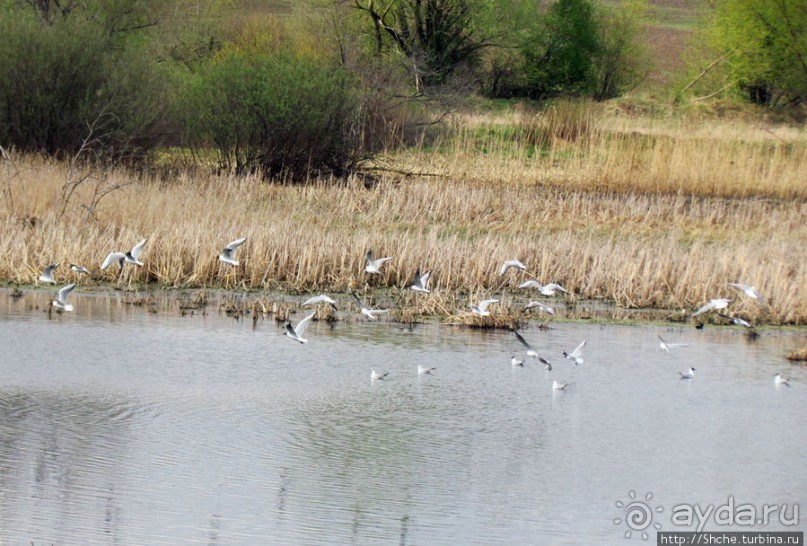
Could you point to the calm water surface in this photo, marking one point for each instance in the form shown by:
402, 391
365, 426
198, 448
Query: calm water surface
123, 426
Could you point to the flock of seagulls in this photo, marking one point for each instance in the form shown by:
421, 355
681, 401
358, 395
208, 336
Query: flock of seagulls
420, 284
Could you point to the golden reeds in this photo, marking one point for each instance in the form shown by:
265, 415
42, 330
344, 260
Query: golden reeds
663, 218
798, 355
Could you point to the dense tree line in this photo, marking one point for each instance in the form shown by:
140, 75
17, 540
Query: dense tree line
320, 88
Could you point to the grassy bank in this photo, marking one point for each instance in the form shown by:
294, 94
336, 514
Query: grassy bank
642, 212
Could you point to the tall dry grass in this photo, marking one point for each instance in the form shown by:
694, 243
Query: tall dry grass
639, 244
575, 145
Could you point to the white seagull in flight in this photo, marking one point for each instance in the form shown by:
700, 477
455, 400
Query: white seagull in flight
47, 274
509, 264
550, 289
577, 354
664, 346
131, 257
540, 306
719, 303
374, 375
737, 321
532, 353
61, 300
482, 308
296, 333
365, 309
374, 266
228, 254
749, 291
320, 299
79, 269
421, 282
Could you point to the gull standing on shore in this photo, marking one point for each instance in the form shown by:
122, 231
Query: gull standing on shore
47, 274
228, 254
131, 257
296, 333
61, 299
373, 265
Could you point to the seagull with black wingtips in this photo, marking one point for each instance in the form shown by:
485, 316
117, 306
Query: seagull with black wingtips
296, 332
228, 254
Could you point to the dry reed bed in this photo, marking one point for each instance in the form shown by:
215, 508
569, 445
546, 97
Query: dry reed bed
572, 147
665, 225
639, 251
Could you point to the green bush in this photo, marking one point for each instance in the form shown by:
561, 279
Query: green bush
60, 77
573, 49
559, 57
274, 113
764, 48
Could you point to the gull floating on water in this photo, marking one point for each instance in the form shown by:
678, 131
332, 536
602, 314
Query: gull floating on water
228, 254
532, 353
719, 303
320, 299
47, 274
540, 306
61, 300
577, 354
296, 333
778, 380
559, 385
516, 362
482, 308
131, 257
749, 291
365, 309
509, 264
423, 370
667, 346
79, 269
374, 266
376, 375
550, 289
689, 374
421, 282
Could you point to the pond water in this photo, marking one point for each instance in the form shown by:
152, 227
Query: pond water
132, 425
